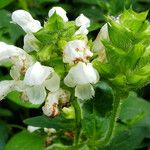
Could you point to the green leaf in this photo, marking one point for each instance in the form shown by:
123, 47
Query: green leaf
9, 32
55, 23
16, 98
4, 3
120, 36
47, 1
135, 110
58, 122
3, 135
94, 26
96, 113
128, 139
62, 147
5, 112
132, 20
25, 141
103, 99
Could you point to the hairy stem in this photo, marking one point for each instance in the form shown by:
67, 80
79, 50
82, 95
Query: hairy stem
78, 117
112, 125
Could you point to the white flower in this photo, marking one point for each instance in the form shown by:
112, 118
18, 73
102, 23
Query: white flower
51, 105
18, 57
25, 20
30, 43
37, 78
102, 35
81, 77
82, 21
9, 51
59, 11
32, 128
76, 51
20, 66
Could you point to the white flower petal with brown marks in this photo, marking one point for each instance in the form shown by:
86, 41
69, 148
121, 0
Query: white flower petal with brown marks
76, 51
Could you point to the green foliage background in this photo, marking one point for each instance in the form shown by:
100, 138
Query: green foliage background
135, 123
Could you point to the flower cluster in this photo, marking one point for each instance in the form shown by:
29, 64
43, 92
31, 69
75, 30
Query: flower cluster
34, 72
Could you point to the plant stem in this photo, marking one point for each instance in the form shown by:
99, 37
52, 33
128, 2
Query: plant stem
78, 117
112, 125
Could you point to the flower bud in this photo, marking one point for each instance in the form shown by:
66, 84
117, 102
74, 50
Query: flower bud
69, 112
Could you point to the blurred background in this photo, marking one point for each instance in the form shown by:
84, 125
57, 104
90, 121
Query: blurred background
12, 110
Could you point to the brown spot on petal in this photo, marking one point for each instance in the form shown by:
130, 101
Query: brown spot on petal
78, 60
55, 111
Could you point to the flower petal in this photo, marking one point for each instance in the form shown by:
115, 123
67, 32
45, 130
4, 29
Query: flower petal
25, 20
75, 51
84, 92
82, 21
51, 105
32, 128
6, 87
102, 35
36, 94
69, 80
59, 11
20, 65
37, 74
7, 51
53, 83
81, 74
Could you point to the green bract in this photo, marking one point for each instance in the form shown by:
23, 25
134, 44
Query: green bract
127, 51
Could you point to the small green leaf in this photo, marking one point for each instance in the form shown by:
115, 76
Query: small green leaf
120, 36
58, 122
132, 20
25, 141
135, 110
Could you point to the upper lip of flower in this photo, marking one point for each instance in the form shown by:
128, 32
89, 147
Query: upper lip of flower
76, 51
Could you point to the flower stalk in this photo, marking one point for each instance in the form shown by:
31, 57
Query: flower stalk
113, 120
78, 118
